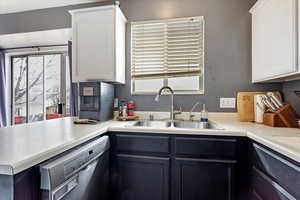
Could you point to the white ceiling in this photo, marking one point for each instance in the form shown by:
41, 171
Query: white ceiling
39, 38
12, 6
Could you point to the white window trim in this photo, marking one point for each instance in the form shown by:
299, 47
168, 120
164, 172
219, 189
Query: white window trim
19, 52
183, 92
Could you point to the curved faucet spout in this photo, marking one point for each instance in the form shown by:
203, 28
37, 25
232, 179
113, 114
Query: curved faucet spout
193, 108
172, 100
161, 90
165, 88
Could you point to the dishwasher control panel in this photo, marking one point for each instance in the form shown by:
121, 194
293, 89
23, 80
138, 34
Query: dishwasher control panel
57, 171
73, 165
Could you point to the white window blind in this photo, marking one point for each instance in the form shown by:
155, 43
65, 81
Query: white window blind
167, 48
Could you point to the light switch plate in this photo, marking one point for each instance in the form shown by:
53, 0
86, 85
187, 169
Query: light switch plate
227, 102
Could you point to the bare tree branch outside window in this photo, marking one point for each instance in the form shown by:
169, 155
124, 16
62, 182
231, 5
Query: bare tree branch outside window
38, 74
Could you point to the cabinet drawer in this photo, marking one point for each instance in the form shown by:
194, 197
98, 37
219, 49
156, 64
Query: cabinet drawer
263, 187
143, 143
206, 147
283, 171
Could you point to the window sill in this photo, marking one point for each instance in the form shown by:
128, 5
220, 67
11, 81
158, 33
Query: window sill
175, 92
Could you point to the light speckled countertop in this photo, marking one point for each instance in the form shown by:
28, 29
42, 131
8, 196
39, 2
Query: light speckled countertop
24, 146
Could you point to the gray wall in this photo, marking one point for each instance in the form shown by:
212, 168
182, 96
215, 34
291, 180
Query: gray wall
228, 44
228, 48
289, 95
37, 20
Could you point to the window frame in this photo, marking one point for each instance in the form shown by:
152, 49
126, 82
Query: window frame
63, 56
201, 91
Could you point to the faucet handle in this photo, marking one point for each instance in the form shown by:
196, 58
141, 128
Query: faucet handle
177, 112
192, 117
151, 117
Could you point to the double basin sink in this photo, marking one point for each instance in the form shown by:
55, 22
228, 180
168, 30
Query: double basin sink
178, 124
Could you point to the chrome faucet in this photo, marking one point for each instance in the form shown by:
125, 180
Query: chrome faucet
172, 100
191, 111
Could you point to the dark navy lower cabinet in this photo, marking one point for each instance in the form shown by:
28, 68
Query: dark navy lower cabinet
254, 196
26, 185
273, 176
176, 167
22, 186
140, 166
266, 189
142, 177
205, 179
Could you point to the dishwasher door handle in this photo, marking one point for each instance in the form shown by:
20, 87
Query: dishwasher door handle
65, 188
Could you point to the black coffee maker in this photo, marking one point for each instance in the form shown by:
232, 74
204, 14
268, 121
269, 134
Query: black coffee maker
96, 100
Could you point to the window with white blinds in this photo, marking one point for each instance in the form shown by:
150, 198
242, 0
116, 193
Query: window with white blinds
167, 51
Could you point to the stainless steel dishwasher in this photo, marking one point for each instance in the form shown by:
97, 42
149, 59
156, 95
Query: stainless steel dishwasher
81, 174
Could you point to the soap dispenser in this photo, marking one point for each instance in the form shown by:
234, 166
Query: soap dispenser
204, 114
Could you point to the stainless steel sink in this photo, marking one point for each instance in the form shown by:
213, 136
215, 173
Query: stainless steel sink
196, 125
154, 124
177, 124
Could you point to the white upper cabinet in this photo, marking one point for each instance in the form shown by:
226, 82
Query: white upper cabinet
99, 44
274, 40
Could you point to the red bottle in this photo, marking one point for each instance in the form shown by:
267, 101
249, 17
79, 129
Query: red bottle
131, 108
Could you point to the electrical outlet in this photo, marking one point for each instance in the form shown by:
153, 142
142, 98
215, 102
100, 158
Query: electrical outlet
227, 102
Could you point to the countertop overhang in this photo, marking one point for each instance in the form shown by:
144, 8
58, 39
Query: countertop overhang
24, 146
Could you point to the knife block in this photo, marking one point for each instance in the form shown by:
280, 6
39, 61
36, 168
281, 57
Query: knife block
288, 115
272, 119
284, 117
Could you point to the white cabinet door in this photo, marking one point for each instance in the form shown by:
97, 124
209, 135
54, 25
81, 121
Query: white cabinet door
99, 44
274, 39
120, 51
